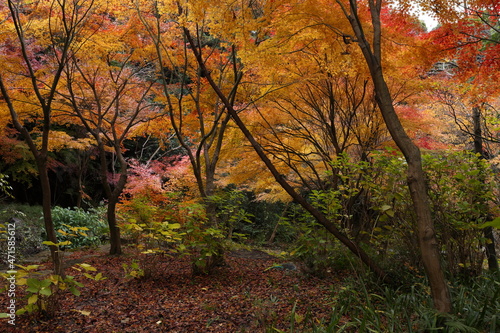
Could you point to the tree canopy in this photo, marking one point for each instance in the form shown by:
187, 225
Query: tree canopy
182, 116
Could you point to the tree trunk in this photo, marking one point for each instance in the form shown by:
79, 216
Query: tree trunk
41, 162
55, 253
114, 230
491, 254
112, 194
415, 175
275, 229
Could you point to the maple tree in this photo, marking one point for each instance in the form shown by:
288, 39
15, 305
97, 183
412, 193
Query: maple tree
39, 39
107, 91
352, 28
195, 113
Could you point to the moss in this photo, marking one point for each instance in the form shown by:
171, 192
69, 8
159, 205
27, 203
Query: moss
27, 224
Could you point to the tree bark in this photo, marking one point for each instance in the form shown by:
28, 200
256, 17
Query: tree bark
113, 194
491, 254
55, 253
114, 230
428, 243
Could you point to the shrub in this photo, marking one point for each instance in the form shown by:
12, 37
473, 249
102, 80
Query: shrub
80, 227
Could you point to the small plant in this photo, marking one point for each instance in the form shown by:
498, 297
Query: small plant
133, 270
153, 240
43, 291
265, 313
207, 249
5, 188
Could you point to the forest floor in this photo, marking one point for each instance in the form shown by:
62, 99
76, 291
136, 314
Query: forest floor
241, 296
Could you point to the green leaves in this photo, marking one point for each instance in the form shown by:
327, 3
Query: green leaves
133, 270
41, 290
56, 244
36, 286
77, 227
495, 224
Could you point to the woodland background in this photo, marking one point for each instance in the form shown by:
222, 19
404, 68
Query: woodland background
342, 137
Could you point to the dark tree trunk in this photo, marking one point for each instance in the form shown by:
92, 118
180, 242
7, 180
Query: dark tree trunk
491, 254
55, 253
114, 230
113, 195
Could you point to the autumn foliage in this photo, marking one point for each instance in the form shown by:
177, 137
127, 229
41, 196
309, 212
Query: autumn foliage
184, 118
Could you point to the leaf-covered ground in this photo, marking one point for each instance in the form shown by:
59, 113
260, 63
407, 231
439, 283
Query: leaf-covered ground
241, 296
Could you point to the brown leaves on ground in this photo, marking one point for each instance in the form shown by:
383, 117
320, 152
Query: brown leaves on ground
241, 296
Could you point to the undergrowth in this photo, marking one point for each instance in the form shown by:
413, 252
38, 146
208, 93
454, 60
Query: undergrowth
360, 305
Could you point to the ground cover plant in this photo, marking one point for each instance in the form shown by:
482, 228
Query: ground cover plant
29, 235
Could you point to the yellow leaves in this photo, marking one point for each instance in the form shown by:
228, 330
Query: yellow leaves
59, 140
83, 312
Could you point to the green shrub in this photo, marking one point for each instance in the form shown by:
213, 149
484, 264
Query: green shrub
319, 251
43, 292
80, 227
229, 207
371, 204
203, 241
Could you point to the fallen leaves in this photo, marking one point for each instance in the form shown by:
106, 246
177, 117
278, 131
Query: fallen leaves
241, 296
